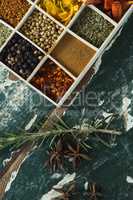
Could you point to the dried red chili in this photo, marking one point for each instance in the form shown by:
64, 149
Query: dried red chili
52, 81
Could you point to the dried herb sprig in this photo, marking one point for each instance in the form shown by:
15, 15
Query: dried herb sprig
62, 129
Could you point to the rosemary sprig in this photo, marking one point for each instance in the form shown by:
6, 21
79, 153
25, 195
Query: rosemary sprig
59, 130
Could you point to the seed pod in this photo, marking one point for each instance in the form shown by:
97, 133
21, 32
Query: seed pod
117, 10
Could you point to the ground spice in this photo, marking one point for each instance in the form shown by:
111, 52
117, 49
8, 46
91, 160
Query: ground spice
92, 27
12, 11
41, 30
75, 56
52, 80
20, 56
4, 33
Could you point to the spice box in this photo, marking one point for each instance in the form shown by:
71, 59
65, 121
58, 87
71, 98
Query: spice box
54, 45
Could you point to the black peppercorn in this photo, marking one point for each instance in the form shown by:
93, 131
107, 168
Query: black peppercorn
21, 56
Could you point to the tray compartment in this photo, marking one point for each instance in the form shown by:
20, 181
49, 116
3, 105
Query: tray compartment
75, 56
62, 10
12, 11
52, 81
20, 56
92, 27
4, 33
41, 30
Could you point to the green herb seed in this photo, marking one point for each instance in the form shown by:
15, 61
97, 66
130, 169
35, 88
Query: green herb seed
4, 33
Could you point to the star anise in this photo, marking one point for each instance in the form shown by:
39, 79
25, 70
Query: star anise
93, 192
55, 160
76, 155
65, 194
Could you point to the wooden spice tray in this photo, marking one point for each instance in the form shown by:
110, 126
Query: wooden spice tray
70, 57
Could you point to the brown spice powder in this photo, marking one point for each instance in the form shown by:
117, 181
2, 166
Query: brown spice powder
73, 54
12, 11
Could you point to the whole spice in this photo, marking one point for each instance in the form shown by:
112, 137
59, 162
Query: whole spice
20, 56
76, 154
55, 161
66, 193
94, 192
92, 27
4, 33
108, 4
52, 80
117, 10
41, 30
12, 11
62, 10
